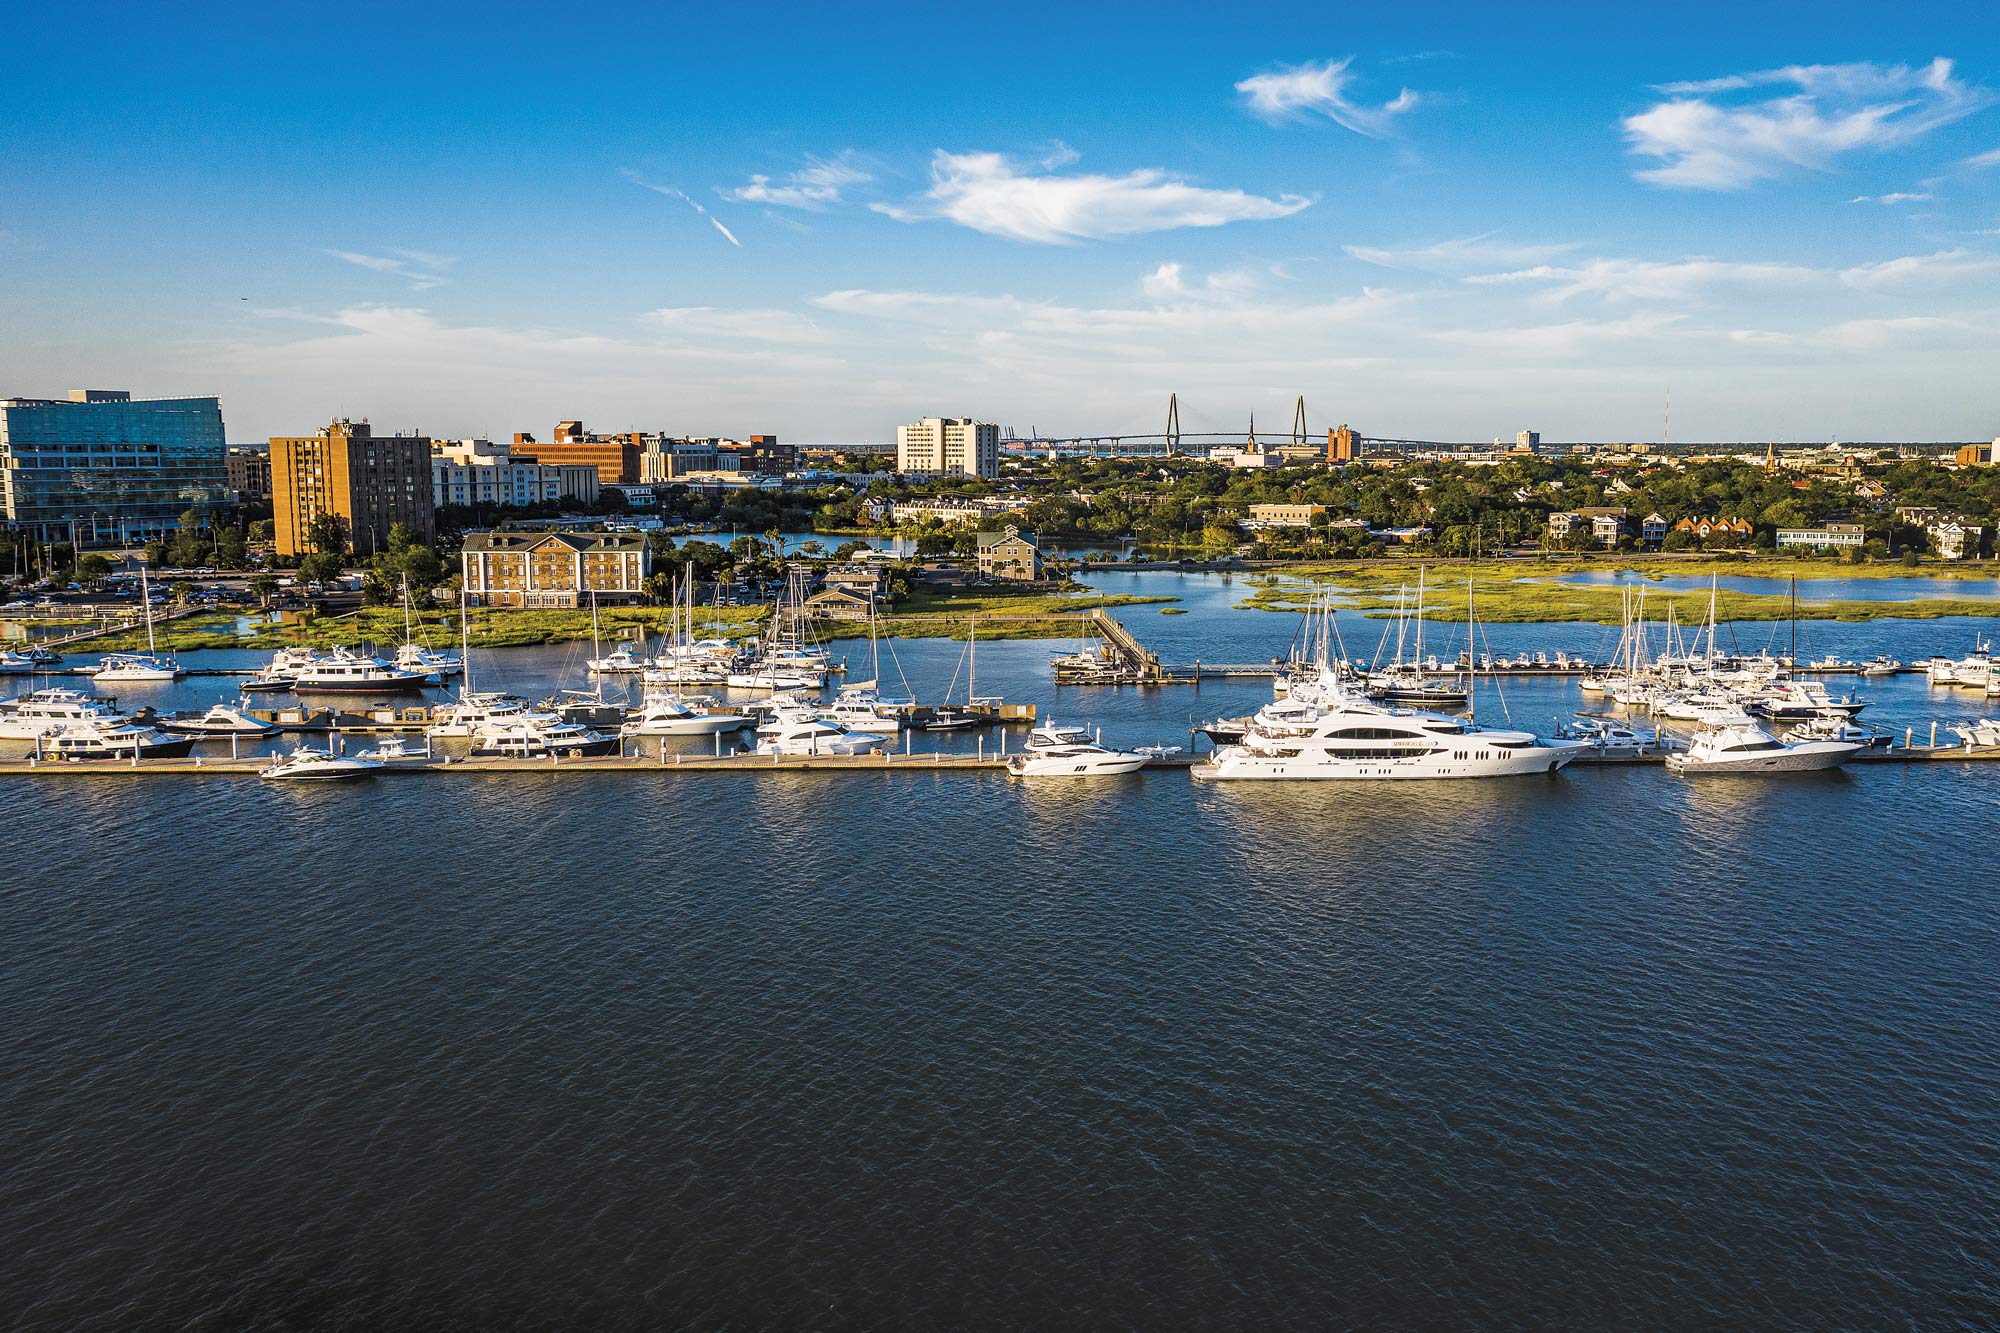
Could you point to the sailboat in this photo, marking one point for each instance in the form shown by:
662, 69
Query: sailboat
415, 655
1409, 683
149, 666
948, 717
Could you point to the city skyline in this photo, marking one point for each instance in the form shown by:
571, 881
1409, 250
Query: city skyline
1446, 225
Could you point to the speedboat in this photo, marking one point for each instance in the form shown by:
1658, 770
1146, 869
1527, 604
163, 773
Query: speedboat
344, 672
1738, 745
219, 720
1837, 726
1334, 734
1615, 739
1070, 752
951, 719
678, 715
1881, 665
16, 664
136, 668
396, 749
310, 765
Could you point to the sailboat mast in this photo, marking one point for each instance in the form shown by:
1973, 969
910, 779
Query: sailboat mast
1471, 659
146, 598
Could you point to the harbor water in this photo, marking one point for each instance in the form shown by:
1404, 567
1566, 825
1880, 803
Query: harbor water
906, 1050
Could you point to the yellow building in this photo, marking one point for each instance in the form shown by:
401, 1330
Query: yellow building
555, 569
369, 482
1285, 515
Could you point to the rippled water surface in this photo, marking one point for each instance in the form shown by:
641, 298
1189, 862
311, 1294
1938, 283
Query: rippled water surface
895, 1050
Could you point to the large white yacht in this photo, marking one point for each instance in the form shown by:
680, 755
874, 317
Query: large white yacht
136, 669
796, 729
1326, 732
666, 714
344, 672
1736, 744
1070, 752
473, 712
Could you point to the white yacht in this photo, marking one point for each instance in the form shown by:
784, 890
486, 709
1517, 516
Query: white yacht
310, 765
1986, 731
136, 668
532, 737
1070, 752
797, 730
471, 713
623, 660
123, 740
1797, 699
434, 667
17, 664
50, 710
344, 672
862, 709
396, 749
1616, 739
1837, 726
668, 714
1881, 665
283, 670
1736, 744
220, 720
1341, 736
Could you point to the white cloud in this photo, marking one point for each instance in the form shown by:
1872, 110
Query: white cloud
1680, 282
1168, 283
987, 193
1980, 161
1946, 268
816, 185
1894, 197
1706, 144
421, 270
685, 198
1457, 255
760, 325
1296, 91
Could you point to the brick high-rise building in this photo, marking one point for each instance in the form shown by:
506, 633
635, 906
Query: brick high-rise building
616, 457
1342, 445
369, 481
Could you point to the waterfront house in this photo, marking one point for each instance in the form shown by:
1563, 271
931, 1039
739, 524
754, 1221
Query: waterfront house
555, 569
1825, 537
1653, 529
839, 603
1716, 528
1010, 555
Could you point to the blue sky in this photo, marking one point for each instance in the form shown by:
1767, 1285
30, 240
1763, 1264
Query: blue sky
1442, 221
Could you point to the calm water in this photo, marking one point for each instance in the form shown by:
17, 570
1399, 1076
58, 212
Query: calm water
908, 1051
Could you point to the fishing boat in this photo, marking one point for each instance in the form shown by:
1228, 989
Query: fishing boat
395, 750
796, 729
669, 714
1737, 745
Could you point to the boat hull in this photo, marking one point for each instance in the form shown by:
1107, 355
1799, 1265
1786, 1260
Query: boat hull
1233, 765
1811, 757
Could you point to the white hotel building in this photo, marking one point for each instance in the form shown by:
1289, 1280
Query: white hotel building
950, 446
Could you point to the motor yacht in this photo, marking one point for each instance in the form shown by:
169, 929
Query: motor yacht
622, 660
50, 710
220, 720
669, 714
310, 765
1799, 699
16, 664
1738, 745
434, 667
1837, 726
1881, 665
1070, 752
1615, 739
1986, 731
345, 672
795, 731
471, 713
531, 737
394, 750
282, 671
111, 740
1344, 736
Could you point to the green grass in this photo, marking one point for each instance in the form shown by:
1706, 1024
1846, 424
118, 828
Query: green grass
1517, 597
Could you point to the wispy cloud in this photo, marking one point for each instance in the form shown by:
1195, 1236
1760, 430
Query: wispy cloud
758, 325
816, 185
1705, 143
1295, 92
1678, 282
421, 270
673, 193
987, 193
1454, 256
1894, 197
1980, 161
1946, 268
1169, 283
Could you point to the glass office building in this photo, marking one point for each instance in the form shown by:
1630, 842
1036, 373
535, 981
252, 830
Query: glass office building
107, 467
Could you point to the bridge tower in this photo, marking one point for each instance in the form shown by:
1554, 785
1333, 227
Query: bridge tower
1299, 421
1173, 424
